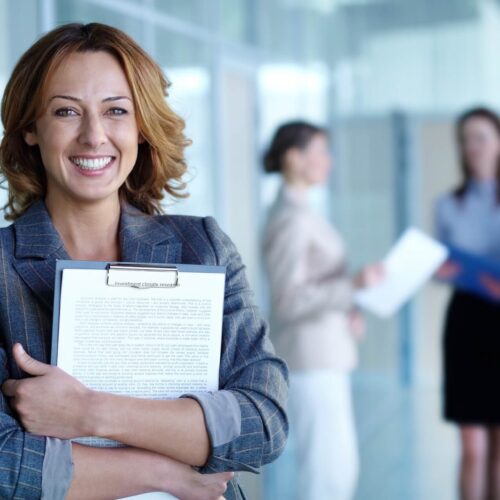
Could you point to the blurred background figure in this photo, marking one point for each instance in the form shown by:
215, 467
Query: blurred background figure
313, 320
469, 218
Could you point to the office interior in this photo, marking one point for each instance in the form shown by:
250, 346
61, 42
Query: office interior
388, 79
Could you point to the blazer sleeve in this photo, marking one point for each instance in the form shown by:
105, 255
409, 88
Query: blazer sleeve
31, 466
246, 418
22, 454
295, 295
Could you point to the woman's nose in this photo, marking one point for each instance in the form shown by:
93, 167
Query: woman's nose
92, 132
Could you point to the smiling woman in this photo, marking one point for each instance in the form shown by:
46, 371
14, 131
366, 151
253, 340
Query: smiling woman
90, 149
111, 62
88, 141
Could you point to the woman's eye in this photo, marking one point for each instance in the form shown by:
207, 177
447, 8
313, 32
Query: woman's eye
65, 112
117, 111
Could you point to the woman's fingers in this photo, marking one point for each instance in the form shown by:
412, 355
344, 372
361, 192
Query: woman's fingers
185, 482
448, 270
27, 363
217, 484
9, 387
491, 284
376, 273
357, 324
371, 275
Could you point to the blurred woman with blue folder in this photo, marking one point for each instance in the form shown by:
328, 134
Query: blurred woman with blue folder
314, 324
469, 219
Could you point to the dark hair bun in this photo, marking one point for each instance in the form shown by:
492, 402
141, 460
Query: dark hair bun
271, 161
290, 135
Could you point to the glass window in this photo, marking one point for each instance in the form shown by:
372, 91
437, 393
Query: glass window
83, 12
237, 19
186, 63
196, 12
13, 42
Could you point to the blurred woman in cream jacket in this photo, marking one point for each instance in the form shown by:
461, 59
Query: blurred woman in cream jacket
313, 322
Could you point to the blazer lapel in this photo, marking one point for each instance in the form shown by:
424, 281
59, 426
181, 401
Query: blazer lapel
145, 239
38, 246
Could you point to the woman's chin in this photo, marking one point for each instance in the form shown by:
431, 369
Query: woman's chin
93, 196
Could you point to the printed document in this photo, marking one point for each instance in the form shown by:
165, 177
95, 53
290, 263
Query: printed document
152, 342
410, 264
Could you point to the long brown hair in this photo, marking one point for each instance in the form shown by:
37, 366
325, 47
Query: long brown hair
160, 161
485, 114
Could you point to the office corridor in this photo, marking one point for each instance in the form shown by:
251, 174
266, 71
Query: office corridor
407, 451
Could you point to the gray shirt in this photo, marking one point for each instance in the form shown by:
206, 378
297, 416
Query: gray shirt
473, 221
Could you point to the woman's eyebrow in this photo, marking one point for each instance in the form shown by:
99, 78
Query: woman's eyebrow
116, 98
77, 99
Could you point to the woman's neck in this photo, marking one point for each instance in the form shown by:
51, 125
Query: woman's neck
298, 187
484, 179
89, 230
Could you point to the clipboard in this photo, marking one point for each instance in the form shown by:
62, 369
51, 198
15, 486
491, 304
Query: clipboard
197, 356
118, 267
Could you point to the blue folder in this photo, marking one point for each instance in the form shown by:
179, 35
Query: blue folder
472, 268
88, 264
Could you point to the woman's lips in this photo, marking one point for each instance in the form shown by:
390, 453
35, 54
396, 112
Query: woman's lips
92, 166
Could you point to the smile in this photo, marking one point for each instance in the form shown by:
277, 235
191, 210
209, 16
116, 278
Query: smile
91, 163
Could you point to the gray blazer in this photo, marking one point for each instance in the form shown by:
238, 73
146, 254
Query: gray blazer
246, 419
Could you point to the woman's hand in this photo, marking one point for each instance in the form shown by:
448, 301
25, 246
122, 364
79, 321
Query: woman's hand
357, 325
106, 473
491, 284
185, 483
448, 271
370, 276
51, 402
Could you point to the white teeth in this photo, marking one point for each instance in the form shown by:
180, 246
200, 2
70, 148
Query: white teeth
91, 164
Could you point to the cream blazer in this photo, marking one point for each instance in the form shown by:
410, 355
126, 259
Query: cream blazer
311, 293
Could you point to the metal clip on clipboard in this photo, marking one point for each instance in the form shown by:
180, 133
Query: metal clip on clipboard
122, 275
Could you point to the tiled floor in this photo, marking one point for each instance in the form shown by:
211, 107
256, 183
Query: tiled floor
407, 451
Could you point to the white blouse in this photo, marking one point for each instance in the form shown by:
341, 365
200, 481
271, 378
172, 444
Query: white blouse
310, 290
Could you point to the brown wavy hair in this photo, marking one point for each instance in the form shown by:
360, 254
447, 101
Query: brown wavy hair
160, 163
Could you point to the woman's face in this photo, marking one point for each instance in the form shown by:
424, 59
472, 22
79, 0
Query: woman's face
88, 135
313, 163
481, 147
